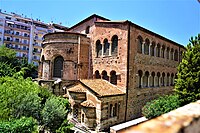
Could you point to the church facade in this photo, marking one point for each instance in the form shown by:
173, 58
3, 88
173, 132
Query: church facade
109, 69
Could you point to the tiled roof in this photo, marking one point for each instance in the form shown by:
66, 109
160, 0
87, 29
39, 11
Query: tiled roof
88, 103
77, 88
102, 87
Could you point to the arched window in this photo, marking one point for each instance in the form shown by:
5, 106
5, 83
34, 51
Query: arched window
152, 49
115, 110
114, 49
163, 51
139, 42
98, 48
58, 67
104, 75
97, 75
163, 79
152, 79
168, 76
146, 47
158, 50
106, 47
87, 30
176, 55
111, 110
140, 78
172, 79
172, 54
158, 79
168, 51
82, 118
113, 78
146, 79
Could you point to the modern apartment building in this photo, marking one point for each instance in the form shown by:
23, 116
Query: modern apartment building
24, 35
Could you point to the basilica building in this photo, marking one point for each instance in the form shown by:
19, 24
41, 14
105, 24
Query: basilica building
108, 69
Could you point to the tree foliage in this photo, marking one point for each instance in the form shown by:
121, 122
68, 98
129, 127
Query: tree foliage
21, 97
22, 125
54, 112
187, 86
9, 64
160, 106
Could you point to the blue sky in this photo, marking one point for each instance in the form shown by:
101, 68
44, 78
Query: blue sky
177, 20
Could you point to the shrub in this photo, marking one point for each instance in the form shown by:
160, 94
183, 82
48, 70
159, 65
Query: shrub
160, 106
22, 125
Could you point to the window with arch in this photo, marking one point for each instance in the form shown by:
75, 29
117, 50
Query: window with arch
176, 55
163, 79
158, 50
106, 47
152, 49
113, 77
58, 67
146, 46
97, 75
152, 79
98, 48
168, 52
105, 76
172, 79
82, 118
111, 110
168, 78
158, 79
114, 49
146, 79
115, 110
140, 78
87, 30
163, 51
172, 54
139, 42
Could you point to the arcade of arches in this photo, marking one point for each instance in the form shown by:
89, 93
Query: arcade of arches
107, 49
112, 78
151, 48
146, 79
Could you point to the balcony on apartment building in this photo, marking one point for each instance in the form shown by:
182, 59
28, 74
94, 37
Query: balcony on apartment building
36, 58
37, 45
24, 49
11, 32
21, 27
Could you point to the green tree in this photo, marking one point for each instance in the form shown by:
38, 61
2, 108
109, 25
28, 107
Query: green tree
9, 64
187, 86
19, 97
54, 112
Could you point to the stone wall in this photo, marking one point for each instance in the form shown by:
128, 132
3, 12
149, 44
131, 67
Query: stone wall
185, 119
138, 94
73, 48
108, 63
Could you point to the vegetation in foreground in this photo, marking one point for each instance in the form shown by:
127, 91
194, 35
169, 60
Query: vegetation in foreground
24, 105
187, 85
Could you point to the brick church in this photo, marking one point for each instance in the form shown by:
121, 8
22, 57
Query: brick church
108, 69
